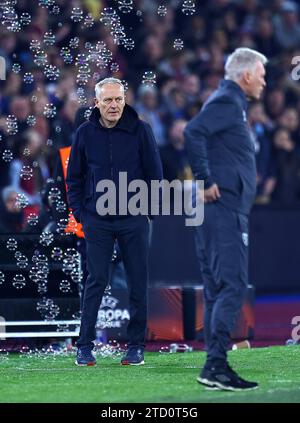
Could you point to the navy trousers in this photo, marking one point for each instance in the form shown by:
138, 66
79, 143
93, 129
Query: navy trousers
132, 233
222, 249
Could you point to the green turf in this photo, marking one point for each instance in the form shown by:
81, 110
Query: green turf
164, 378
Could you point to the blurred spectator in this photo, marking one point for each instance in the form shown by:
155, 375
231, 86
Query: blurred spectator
149, 109
287, 165
28, 172
174, 156
286, 25
11, 217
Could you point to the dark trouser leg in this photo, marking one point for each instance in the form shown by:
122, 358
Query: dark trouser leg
133, 238
99, 248
227, 259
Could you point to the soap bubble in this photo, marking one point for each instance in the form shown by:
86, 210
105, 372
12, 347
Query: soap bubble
88, 21
2, 277
114, 67
49, 110
65, 286
66, 55
57, 254
25, 18
149, 79
52, 72
28, 78
19, 281
188, 8
40, 58
32, 219
12, 125
162, 10
11, 244
76, 14
74, 42
178, 44
46, 238
22, 261
129, 44
125, 6
49, 38
7, 155
31, 121
26, 173
22, 201
16, 68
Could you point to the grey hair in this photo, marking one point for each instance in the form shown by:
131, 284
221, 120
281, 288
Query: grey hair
105, 81
241, 60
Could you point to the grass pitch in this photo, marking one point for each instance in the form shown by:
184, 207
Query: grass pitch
165, 378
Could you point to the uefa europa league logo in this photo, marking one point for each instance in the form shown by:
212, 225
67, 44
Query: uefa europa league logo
2, 69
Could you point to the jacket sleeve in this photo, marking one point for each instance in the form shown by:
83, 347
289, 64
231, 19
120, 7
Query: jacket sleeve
76, 176
151, 161
213, 118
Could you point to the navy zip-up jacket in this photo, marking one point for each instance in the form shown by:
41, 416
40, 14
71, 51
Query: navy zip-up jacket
100, 153
220, 148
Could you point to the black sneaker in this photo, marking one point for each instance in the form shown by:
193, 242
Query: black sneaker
224, 378
134, 356
85, 357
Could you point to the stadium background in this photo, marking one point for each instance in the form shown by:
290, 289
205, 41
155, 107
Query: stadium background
171, 57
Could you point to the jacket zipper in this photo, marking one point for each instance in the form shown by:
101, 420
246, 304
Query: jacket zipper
111, 156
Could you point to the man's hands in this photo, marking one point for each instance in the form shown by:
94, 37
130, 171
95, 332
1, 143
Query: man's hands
211, 194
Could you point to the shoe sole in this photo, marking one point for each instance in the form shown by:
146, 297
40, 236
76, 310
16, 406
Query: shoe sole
218, 386
126, 363
91, 364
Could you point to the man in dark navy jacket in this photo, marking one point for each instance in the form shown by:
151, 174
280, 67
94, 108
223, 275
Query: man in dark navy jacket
113, 141
222, 154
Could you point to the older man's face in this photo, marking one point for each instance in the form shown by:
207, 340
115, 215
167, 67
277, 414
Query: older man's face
256, 81
111, 102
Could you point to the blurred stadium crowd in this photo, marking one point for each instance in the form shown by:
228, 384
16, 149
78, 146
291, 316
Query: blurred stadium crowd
171, 56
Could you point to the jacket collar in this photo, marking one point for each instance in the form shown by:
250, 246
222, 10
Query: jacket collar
231, 85
128, 121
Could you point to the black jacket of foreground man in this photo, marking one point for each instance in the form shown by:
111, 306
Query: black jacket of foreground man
100, 153
220, 148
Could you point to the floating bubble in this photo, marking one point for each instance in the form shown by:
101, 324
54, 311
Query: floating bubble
162, 10
88, 21
55, 10
28, 78
149, 79
49, 143
61, 226
40, 58
188, 8
88, 113
26, 173
46, 238
2, 277
107, 16
31, 121
125, 84
25, 18
19, 281
81, 60
49, 110
16, 67
12, 125
125, 6
22, 261
66, 55
7, 155
65, 286
11, 244
35, 45
119, 35
49, 38
114, 67
33, 219
76, 14
46, 3
74, 42
57, 254
18, 254
52, 72
178, 44
129, 44
22, 201
60, 206
34, 98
